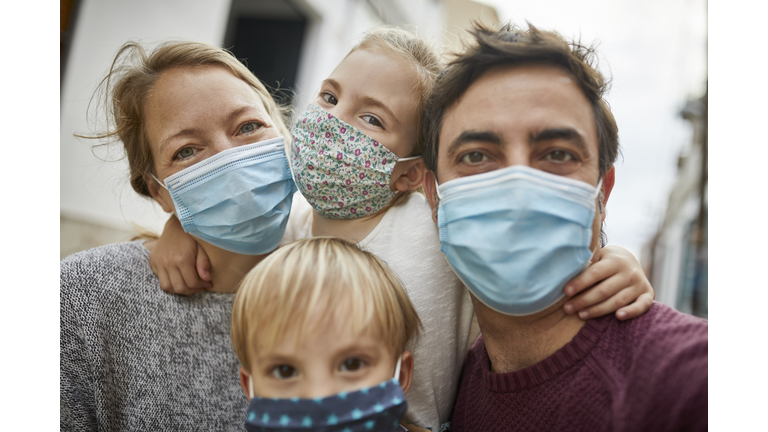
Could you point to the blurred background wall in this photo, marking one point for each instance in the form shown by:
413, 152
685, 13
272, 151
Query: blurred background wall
654, 51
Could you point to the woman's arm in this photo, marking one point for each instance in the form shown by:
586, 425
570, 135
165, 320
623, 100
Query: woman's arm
615, 282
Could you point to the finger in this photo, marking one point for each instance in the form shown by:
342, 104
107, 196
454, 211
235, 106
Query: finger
179, 287
639, 307
592, 275
203, 264
597, 294
189, 276
165, 281
608, 306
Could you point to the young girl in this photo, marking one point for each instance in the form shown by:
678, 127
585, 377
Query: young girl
355, 160
320, 328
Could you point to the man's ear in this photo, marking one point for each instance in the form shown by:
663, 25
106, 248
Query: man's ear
408, 176
154, 190
244, 375
430, 189
406, 371
608, 180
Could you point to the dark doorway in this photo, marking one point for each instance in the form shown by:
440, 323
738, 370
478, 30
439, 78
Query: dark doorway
269, 46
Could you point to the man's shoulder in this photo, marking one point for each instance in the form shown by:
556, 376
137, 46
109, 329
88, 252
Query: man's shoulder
661, 328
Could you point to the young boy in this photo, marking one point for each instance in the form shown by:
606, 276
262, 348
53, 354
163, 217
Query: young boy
320, 328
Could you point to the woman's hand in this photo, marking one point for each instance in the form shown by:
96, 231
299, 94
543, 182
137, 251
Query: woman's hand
614, 282
181, 265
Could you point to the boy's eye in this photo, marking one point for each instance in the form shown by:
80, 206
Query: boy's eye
186, 152
371, 120
331, 99
351, 364
284, 372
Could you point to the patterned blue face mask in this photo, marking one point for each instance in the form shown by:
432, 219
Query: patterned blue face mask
238, 199
517, 235
378, 408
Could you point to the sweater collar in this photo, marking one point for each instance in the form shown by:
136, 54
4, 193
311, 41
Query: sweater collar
550, 367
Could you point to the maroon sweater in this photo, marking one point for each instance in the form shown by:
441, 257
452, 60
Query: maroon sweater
645, 374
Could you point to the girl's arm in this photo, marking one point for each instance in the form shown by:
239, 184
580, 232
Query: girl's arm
614, 282
179, 262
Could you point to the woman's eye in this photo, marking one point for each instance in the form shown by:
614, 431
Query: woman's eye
284, 372
560, 156
474, 158
352, 364
373, 121
186, 152
249, 127
329, 98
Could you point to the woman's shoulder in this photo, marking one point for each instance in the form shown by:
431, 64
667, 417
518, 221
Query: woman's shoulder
107, 265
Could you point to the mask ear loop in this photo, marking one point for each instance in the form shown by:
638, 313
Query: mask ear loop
250, 386
407, 158
159, 182
595, 195
397, 368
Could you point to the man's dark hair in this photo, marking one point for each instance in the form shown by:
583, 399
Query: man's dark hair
511, 46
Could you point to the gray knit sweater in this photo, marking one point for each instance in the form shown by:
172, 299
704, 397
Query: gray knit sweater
136, 358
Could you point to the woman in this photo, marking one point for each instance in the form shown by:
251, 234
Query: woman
203, 138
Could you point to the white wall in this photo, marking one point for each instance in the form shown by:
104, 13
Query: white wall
93, 190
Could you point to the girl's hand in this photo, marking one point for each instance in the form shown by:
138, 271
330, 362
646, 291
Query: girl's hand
179, 262
613, 282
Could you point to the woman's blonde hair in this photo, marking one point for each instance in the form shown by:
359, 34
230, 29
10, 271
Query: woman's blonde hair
314, 281
130, 80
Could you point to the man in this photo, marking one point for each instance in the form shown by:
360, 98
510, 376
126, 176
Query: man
521, 146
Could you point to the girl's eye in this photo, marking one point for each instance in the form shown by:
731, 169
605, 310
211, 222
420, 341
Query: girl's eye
351, 364
329, 98
373, 121
249, 127
474, 158
186, 152
560, 156
284, 372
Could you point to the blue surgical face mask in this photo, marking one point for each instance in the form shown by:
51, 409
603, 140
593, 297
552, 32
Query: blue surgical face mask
238, 199
517, 235
378, 408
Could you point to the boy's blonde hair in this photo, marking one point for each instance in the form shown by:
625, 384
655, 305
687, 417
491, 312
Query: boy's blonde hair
314, 281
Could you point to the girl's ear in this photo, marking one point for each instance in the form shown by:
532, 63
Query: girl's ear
244, 376
430, 190
408, 175
406, 371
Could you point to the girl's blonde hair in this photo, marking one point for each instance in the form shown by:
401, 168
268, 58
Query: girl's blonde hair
310, 282
130, 80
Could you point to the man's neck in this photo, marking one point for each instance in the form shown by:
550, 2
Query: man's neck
228, 268
352, 229
515, 343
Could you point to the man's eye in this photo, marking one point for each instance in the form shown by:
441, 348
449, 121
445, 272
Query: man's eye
284, 372
560, 156
352, 364
329, 98
474, 158
371, 120
186, 152
249, 127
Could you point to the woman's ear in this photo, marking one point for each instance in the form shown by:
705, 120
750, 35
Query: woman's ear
408, 175
244, 377
406, 371
160, 198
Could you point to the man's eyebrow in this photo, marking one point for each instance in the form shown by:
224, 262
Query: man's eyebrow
473, 136
567, 134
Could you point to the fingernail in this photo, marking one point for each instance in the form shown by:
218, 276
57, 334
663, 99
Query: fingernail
584, 315
568, 308
568, 290
621, 314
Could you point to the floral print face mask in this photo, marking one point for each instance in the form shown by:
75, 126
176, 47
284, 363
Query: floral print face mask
343, 173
